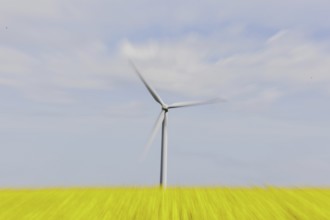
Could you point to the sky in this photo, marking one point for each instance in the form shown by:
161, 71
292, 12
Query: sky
74, 113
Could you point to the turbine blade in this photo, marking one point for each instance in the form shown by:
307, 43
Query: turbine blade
150, 89
194, 103
153, 134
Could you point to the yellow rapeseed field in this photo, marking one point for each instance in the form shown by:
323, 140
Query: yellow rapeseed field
170, 204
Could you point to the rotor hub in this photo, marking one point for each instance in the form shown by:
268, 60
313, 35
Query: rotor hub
165, 108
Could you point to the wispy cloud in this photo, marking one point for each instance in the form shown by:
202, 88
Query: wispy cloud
70, 53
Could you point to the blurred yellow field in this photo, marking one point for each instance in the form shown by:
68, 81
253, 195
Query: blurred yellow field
172, 203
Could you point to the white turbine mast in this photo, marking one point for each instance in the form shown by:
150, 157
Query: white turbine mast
162, 118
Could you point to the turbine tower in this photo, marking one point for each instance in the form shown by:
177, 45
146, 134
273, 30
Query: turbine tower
163, 117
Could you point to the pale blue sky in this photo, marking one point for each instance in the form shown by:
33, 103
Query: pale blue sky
73, 113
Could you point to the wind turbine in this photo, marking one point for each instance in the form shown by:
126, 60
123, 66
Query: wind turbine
163, 116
